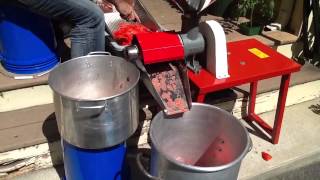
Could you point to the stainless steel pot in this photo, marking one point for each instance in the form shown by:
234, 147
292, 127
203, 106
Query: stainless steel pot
206, 143
96, 100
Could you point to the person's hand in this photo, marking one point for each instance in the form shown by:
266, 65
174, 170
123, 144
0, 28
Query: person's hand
126, 9
105, 6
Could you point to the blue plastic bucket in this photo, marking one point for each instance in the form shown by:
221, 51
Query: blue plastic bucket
26, 41
84, 164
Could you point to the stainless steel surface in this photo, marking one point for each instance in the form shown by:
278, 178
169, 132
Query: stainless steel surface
179, 144
145, 77
144, 171
183, 71
96, 100
145, 17
100, 53
193, 5
132, 52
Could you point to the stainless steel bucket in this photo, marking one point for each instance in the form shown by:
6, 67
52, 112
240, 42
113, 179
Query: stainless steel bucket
206, 143
96, 100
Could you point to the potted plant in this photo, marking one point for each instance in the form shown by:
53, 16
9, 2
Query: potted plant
259, 12
219, 7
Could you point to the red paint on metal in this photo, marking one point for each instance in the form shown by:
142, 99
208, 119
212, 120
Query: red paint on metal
264, 125
159, 47
252, 98
201, 97
246, 67
285, 81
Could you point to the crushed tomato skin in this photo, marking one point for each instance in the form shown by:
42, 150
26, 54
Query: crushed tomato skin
125, 32
165, 84
266, 156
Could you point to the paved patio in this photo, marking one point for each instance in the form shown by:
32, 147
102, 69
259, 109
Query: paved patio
297, 156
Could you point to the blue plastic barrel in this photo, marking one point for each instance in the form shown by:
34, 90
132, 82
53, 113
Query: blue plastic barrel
84, 164
26, 41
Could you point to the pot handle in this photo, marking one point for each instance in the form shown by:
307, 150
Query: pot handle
144, 171
99, 53
103, 106
250, 144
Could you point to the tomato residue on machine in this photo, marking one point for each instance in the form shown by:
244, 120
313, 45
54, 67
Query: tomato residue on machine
165, 83
125, 32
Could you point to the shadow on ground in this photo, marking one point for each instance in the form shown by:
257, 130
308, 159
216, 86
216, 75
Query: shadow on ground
51, 132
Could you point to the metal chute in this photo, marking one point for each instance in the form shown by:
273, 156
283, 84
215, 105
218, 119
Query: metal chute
193, 5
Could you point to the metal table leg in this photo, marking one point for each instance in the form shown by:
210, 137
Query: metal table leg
252, 103
285, 81
275, 131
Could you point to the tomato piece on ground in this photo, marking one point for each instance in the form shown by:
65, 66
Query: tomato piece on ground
266, 156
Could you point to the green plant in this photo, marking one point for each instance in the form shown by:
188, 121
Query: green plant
266, 10
256, 9
247, 6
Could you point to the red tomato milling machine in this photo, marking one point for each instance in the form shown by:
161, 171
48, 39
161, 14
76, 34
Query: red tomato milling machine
200, 53
161, 51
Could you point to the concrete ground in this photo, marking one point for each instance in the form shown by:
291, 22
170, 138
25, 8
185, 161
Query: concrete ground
296, 157
299, 145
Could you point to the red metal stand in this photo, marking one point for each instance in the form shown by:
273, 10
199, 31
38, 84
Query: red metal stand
247, 66
285, 81
275, 131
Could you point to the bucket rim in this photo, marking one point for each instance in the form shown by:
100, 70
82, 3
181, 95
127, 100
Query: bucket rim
134, 84
199, 168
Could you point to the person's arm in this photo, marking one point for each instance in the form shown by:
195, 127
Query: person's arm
126, 9
104, 5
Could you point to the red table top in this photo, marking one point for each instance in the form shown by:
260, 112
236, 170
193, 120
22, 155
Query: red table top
249, 60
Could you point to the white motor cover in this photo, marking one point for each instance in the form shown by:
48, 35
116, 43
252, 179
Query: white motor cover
216, 48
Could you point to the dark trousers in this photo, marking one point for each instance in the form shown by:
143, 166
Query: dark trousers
85, 17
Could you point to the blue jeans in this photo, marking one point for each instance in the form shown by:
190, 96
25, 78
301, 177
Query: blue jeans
85, 17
